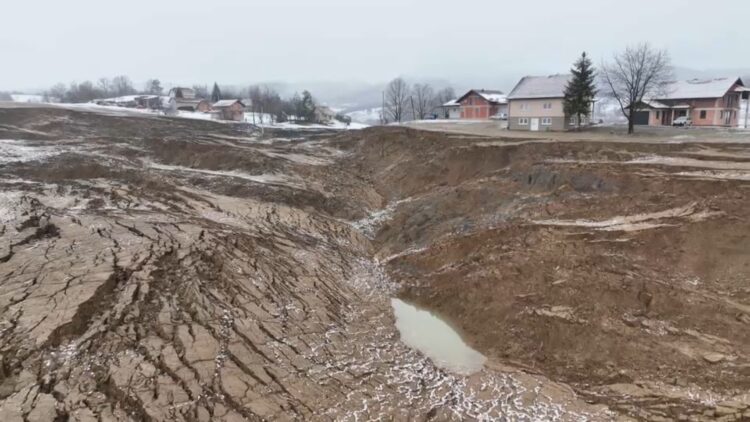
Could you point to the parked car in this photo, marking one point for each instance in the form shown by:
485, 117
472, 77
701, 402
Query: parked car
500, 116
682, 121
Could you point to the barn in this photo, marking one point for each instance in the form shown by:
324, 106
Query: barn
480, 104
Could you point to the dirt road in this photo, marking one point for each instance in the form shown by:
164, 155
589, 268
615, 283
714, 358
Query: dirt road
168, 269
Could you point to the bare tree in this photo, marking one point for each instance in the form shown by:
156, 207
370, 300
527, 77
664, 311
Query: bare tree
57, 93
201, 91
638, 72
105, 86
396, 99
256, 107
444, 95
423, 100
121, 85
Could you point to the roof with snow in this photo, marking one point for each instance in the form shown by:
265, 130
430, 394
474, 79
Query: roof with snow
452, 103
493, 96
655, 104
552, 86
227, 103
698, 88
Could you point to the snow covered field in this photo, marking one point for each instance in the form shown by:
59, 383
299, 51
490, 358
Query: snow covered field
253, 118
26, 98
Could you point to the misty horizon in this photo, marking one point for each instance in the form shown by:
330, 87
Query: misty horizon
483, 44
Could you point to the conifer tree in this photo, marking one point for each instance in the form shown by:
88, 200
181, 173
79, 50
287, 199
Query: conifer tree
308, 107
581, 89
216, 93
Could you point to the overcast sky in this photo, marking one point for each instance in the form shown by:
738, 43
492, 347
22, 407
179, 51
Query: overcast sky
244, 41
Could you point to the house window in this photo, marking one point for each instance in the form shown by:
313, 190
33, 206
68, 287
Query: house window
523, 121
524, 106
573, 120
658, 115
703, 114
547, 106
546, 121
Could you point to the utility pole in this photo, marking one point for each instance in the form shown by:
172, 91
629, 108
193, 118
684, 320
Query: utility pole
747, 107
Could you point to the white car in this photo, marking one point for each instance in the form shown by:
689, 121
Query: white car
682, 121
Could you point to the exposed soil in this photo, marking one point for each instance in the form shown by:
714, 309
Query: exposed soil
166, 269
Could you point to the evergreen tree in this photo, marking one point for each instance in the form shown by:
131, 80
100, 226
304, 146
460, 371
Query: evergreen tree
215, 93
153, 87
581, 89
308, 107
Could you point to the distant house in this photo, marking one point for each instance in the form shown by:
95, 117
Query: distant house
708, 102
229, 110
536, 104
324, 114
480, 104
182, 93
450, 110
186, 100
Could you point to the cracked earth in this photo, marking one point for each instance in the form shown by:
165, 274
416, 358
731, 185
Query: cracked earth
164, 269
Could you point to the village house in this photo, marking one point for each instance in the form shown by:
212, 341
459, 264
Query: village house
229, 110
536, 104
450, 110
186, 100
709, 102
480, 104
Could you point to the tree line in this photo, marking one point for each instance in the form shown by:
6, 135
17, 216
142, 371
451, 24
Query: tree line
402, 102
264, 102
82, 92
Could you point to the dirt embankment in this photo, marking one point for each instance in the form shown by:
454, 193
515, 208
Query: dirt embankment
167, 269
618, 268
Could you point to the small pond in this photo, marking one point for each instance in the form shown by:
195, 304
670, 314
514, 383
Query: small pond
426, 332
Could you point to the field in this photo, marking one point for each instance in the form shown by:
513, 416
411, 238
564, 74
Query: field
156, 268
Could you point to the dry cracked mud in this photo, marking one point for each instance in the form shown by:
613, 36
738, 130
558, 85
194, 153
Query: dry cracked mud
165, 269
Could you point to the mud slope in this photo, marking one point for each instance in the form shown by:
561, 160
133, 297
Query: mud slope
618, 268
164, 269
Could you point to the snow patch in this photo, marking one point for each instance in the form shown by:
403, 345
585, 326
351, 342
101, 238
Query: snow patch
690, 162
271, 179
635, 222
370, 224
27, 98
15, 151
717, 175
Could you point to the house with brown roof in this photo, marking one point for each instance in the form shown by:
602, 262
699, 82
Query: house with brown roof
536, 104
229, 110
186, 100
707, 102
480, 104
